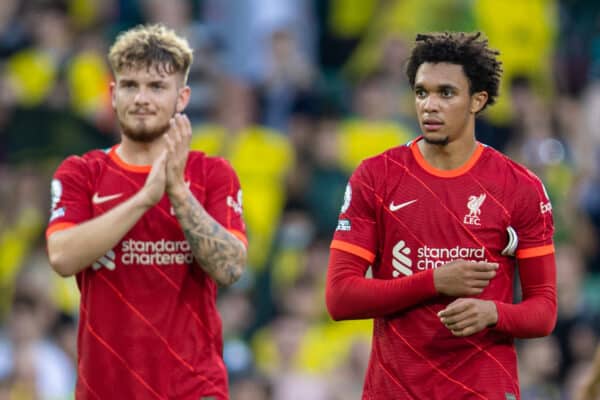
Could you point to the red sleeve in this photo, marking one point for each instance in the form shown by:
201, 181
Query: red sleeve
349, 295
224, 198
71, 195
535, 315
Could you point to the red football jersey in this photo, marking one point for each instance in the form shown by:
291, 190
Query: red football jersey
406, 217
149, 327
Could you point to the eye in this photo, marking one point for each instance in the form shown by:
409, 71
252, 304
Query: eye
156, 86
447, 92
128, 85
420, 93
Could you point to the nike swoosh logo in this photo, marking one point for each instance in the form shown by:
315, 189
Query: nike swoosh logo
103, 199
396, 207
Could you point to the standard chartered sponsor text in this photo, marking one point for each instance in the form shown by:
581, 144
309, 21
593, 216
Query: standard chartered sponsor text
160, 252
434, 257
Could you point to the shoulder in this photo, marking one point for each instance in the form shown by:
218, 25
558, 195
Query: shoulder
378, 164
199, 159
200, 163
85, 162
515, 172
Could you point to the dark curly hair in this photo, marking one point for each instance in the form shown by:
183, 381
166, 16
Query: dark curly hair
480, 63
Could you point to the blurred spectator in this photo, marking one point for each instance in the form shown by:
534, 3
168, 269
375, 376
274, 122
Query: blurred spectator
262, 158
34, 366
372, 129
539, 367
590, 387
288, 74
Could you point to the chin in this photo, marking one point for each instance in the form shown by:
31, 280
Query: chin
436, 139
143, 133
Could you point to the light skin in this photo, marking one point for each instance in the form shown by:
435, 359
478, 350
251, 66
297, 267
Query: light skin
148, 103
446, 111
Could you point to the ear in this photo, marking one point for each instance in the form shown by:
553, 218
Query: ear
478, 101
183, 98
113, 100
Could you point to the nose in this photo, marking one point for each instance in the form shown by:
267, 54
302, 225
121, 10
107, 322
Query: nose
140, 97
430, 103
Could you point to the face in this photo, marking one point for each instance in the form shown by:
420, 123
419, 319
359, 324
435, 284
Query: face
445, 108
145, 100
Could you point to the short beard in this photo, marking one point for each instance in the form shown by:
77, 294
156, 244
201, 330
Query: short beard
144, 135
437, 142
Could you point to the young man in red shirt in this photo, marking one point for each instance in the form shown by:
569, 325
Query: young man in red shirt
150, 229
443, 222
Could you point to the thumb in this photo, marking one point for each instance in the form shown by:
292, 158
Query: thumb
160, 160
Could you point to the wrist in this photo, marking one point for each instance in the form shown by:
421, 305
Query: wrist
493, 314
142, 200
178, 191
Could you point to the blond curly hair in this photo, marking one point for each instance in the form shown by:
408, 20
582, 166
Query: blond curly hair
147, 46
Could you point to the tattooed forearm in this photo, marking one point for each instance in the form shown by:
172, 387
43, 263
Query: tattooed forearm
218, 252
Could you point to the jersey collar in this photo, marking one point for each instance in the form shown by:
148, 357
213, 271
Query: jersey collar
112, 153
442, 173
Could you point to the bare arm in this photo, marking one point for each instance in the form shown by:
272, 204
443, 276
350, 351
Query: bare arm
219, 252
73, 249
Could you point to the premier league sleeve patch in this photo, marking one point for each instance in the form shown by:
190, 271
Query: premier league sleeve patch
347, 199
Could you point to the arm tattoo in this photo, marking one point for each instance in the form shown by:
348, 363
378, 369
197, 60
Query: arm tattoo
218, 251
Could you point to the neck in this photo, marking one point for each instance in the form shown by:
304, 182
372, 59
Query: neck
139, 153
449, 156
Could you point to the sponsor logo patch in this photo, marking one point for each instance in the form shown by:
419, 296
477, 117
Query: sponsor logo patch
59, 212
343, 225
236, 204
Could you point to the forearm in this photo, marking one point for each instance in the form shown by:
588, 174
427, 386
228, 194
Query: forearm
349, 295
535, 316
220, 254
73, 249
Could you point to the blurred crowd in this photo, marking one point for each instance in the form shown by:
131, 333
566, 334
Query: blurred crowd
295, 93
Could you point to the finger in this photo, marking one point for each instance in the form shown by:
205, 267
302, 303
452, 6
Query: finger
158, 165
461, 323
181, 127
186, 125
483, 266
162, 157
467, 331
452, 310
461, 332
479, 283
451, 322
170, 144
474, 291
487, 275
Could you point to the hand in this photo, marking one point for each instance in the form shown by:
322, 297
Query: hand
463, 278
154, 188
465, 317
178, 139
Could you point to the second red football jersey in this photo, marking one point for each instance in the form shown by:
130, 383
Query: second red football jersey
406, 217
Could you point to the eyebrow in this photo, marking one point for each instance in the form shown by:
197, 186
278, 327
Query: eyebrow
127, 81
136, 82
441, 87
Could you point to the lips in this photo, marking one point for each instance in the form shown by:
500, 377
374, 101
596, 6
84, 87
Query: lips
141, 114
432, 124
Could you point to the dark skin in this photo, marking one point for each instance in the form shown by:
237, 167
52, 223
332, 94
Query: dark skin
446, 112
